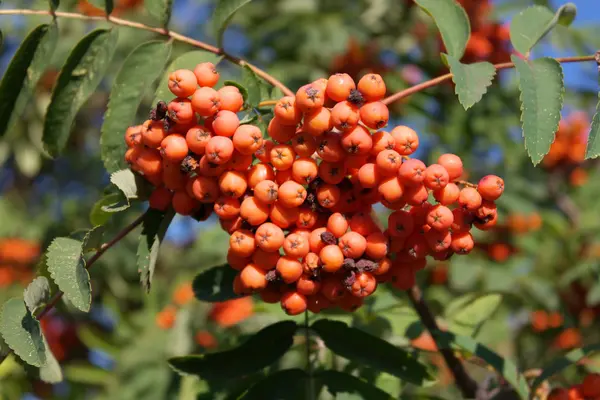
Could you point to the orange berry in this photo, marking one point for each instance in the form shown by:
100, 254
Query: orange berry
568, 339
440, 218
400, 223
174, 148
345, 116
304, 170
242, 243
375, 114
438, 240
219, 150
369, 175
591, 386
436, 177
447, 195
357, 141
364, 285
287, 112
403, 278
339, 87
253, 211
265, 259
247, 139
206, 74
266, 191
133, 136
230, 99
227, 207
490, 187
205, 339
462, 242
315, 240
310, 98
391, 189
383, 266
337, 224
182, 83
406, 140
289, 269
197, 138
282, 157
296, 246
329, 147
388, 162
382, 140
270, 295
293, 303
307, 218
204, 189
453, 165
377, 246
183, 204
149, 162
280, 132
283, 176
237, 262
160, 199
253, 277
469, 199
166, 318
153, 132
352, 244
332, 258
233, 184
559, 394
304, 145
372, 87
269, 237
282, 216
317, 122
363, 223
258, 173
291, 194
332, 289
225, 123
180, 111
328, 195
331, 172
206, 102
412, 172
307, 286
183, 294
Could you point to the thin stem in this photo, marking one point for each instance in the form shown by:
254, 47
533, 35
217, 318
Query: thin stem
465, 383
443, 78
118, 237
161, 31
309, 367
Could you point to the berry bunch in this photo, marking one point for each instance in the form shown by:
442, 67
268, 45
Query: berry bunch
299, 204
589, 389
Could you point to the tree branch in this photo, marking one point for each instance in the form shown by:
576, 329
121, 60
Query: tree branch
118, 237
467, 386
443, 78
161, 31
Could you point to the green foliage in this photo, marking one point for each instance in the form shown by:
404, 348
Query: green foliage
79, 77
215, 284
133, 186
24, 72
467, 313
255, 87
593, 144
37, 293
159, 10
287, 384
53, 4
366, 349
67, 268
107, 206
542, 90
259, 351
139, 72
224, 12
452, 21
50, 372
343, 385
471, 80
154, 228
22, 333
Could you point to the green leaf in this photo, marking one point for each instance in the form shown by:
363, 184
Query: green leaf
471, 80
67, 268
261, 350
593, 144
141, 69
53, 4
189, 61
504, 366
80, 76
562, 363
23, 73
93, 239
593, 296
22, 332
160, 10
342, 385
369, 350
255, 87
215, 284
37, 293
222, 15
542, 90
108, 6
287, 384
132, 185
87, 374
467, 313
104, 208
452, 21
50, 372
532, 24
154, 228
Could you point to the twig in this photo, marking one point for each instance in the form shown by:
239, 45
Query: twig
467, 386
161, 31
124, 232
440, 79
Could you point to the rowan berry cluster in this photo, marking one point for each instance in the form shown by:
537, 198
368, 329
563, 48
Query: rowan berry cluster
299, 204
589, 389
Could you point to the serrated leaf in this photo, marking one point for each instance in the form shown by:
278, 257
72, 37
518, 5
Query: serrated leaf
104, 208
254, 86
593, 144
80, 76
22, 333
261, 350
467, 313
287, 384
471, 80
215, 284
542, 89
160, 10
23, 73
142, 67
504, 366
452, 21
53, 4
342, 385
50, 372
37, 293
562, 363
154, 228
224, 12
93, 239
366, 349
67, 268
529, 26
189, 61
130, 184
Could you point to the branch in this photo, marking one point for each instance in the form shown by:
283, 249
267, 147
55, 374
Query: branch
467, 386
161, 31
440, 79
124, 232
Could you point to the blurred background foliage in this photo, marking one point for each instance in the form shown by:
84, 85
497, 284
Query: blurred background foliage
543, 259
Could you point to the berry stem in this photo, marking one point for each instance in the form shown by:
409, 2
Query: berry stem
465, 383
161, 31
118, 237
443, 78
467, 184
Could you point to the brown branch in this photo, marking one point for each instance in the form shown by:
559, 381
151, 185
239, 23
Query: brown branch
119, 236
161, 31
443, 78
467, 386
